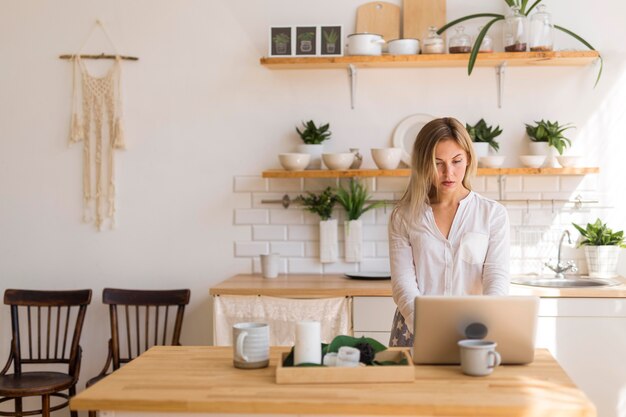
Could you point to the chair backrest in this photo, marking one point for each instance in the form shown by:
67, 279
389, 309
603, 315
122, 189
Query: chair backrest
51, 329
141, 319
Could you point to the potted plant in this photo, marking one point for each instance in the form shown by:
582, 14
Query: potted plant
305, 39
313, 136
281, 40
322, 204
483, 136
602, 247
518, 8
547, 136
330, 37
353, 200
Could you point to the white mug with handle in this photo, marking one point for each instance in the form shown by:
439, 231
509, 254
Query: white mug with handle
251, 345
478, 357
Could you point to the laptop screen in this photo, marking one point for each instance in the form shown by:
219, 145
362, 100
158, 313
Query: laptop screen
441, 321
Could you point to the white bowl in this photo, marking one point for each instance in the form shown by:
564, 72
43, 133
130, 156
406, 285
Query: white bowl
568, 161
387, 158
339, 161
532, 161
492, 161
294, 161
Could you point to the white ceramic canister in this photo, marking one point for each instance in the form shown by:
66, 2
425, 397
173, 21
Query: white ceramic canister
404, 47
365, 44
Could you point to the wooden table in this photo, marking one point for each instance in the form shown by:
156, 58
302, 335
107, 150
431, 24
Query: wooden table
201, 379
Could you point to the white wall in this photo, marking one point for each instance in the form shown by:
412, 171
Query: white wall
200, 110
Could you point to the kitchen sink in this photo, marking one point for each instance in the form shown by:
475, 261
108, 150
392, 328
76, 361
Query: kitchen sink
573, 281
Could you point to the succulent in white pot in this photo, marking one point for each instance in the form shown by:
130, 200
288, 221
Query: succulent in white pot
322, 204
483, 138
313, 137
602, 248
546, 138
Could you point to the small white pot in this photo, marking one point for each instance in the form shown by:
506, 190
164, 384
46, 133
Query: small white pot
602, 260
353, 240
329, 247
404, 47
316, 154
480, 149
365, 44
542, 148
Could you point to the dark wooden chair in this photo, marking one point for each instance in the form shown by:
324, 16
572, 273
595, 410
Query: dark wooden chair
140, 319
49, 335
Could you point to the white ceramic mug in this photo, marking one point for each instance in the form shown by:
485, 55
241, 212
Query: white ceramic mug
478, 357
251, 345
269, 265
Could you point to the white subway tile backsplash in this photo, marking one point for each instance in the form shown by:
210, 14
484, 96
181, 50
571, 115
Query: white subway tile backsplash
285, 184
478, 184
310, 218
242, 201
369, 249
288, 249
383, 215
512, 183
575, 182
375, 265
286, 216
515, 216
369, 217
251, 216
282, 266
305, 266
540, 183
258, 198
245, 183
340, 267
304, 232
243, 233
269, 232
391, 184
491, 184
382, 249
319, 184
251, 248
374, 232
312, 249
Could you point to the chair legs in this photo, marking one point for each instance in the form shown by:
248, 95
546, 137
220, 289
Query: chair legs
92, 414
45, 406
18, 406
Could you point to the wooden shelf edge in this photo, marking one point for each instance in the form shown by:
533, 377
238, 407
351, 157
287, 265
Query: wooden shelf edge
554, 58
349, 173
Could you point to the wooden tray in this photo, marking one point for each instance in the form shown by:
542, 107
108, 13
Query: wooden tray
361, 374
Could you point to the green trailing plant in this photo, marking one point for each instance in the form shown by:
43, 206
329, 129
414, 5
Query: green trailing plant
482, 132
281, 38
551, 132
330, 36
306, 36
313, 135
598, 234
354, 198
321, 204
496, 17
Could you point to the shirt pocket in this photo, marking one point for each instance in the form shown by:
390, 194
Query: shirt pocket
473, 248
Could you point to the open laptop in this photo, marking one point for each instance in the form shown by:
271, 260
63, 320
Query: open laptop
441, 321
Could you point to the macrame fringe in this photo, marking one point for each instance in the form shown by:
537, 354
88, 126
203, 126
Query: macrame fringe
119, 140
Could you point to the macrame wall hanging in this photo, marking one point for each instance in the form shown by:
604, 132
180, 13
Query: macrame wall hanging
97, 122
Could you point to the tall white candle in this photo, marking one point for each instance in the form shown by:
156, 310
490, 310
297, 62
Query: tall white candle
308, 347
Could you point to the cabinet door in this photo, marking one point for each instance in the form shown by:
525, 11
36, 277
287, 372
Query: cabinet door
373, 314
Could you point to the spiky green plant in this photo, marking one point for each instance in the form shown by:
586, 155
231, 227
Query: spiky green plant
522, 5
313, 135
321, 204
551, 132
354, 198
482, 132
598, 234
330, 36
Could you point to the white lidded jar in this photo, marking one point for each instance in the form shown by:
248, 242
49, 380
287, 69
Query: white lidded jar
541, 30
433, 44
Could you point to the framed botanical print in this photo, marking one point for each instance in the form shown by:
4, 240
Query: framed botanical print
331, 40
281, 41
306, 39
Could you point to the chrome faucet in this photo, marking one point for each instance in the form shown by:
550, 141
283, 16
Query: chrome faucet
559, 268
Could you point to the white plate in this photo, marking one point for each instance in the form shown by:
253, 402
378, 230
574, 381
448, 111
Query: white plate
405, 133
368, 275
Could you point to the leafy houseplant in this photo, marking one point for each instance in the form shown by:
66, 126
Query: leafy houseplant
312, 134
495, 17
322, 204
306, 36
550, 132
281, 38
602, 247
353, 200
481, 132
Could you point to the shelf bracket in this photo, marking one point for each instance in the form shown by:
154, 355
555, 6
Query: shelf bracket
500, 70
352, 74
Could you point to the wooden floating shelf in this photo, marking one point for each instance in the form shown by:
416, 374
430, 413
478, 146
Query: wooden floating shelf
349, 173
554, 58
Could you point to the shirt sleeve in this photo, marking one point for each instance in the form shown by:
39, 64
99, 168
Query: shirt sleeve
496, 272
403, 277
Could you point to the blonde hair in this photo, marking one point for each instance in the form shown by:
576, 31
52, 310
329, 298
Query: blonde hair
422, 183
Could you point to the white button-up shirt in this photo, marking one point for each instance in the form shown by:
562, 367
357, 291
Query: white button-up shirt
473, 260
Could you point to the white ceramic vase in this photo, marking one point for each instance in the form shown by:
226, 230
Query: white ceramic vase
353, 240
481, 149
329, 248
316, 154
602, 260
542, 148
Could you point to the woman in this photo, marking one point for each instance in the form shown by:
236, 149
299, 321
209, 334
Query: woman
444, 239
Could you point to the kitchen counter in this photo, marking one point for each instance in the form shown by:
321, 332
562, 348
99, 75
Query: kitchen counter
319, 286
201, 379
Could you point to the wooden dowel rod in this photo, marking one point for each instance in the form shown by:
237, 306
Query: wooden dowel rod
100, 56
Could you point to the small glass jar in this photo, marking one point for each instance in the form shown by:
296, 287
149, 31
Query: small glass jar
487, 44
515, 31
433, 43
460, 43
541, 30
